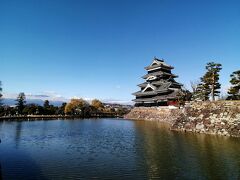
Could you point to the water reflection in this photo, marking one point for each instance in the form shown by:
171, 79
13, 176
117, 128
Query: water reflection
18, 133
1, 171
172, 154
113, 149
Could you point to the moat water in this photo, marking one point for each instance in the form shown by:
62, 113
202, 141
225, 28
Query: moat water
113, 149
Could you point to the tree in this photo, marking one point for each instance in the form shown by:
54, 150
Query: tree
194, 85
121, 111
234, 91
0, 93
211, 79
183, 96
97, 104
75, 106
30, 109
40, 110
46, 107
62, 108
8, 111
21, 101
52, 110
201, 92
46, 104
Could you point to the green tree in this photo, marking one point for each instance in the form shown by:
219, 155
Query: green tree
183, 96
8, 111
1, 93
40, 110
52, 110
211, 79
21, 101
46, 107
201, 92
30, 109
46, 104
234, 91
62, 108
122, 111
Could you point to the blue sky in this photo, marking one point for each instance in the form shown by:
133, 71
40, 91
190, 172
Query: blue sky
98, 49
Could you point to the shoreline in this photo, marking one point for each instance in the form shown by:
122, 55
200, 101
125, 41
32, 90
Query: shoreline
52, 117
213, 118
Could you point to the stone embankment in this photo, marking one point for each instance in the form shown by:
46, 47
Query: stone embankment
161, 114
220, 117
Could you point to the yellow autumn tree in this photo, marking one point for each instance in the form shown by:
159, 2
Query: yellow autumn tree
75, 106
97, 104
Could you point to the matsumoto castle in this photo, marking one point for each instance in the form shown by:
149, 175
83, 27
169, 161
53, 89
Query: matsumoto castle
159, 88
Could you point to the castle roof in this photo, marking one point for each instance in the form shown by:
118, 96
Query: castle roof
158, 64
159, 84
159, 73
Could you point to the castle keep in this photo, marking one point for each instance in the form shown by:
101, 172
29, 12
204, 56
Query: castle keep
159, 88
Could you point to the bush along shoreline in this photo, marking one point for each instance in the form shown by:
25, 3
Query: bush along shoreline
76, 108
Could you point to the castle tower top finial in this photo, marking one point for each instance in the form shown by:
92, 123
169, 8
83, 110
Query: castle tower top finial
155, 58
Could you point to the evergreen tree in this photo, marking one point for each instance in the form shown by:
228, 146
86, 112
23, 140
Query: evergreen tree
21, 101
201, 92
183, 96
46, 107
0, 93
211, 78
46, 104
234, 91
61, 109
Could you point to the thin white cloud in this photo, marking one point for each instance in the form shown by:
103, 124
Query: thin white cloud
53, 96
117, 101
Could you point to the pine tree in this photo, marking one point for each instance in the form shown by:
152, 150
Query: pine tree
202, 92
46, 107
183, 96
234, 91
46, 104
21, 101
1, 93
211, 78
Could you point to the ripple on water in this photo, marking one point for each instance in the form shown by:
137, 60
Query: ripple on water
113, 149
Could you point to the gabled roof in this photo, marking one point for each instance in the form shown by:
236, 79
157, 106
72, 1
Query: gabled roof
158, 63
164, 86
176, 83
142, 84
140, 93
149, 86
159, 83
159, 73
158, 98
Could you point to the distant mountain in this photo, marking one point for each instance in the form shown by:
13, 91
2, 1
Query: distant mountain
12, 102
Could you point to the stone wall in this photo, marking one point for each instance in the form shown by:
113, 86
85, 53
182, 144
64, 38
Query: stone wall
220, 117
154, 114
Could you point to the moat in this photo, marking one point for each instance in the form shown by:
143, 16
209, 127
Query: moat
113, 149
